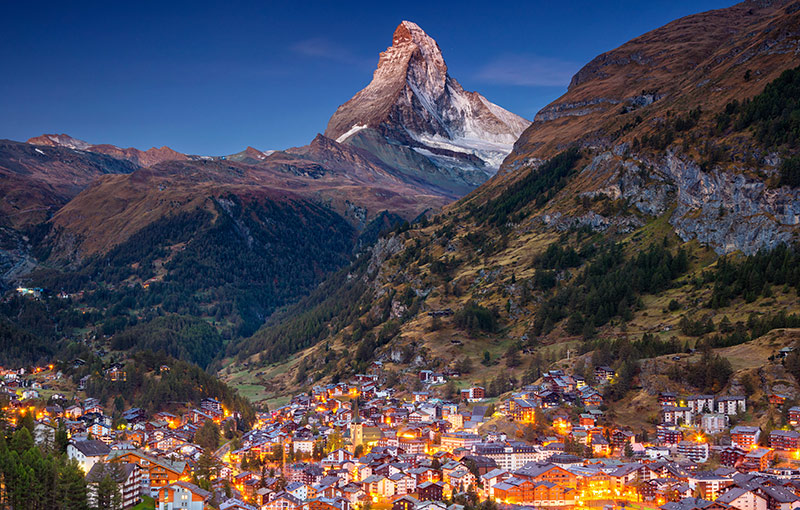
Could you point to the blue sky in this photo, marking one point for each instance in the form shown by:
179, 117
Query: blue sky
215, 77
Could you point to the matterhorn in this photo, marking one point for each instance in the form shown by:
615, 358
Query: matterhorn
417, 119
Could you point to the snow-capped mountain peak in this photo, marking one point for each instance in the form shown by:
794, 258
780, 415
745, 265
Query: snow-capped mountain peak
414, 104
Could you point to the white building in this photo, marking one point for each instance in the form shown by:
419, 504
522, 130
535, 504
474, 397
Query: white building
672, 414
694, 451
700, 403
731, 405
88, 453
511, 456
713, 423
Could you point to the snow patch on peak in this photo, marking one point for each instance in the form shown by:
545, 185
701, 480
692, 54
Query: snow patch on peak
353, 130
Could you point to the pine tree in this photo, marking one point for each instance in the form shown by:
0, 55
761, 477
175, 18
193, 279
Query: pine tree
62, 438
109, 495
72, 487
22, 440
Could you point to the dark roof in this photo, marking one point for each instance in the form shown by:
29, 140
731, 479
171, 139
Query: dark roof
687, 504
117, 471
192, 487
92, 447
779, 494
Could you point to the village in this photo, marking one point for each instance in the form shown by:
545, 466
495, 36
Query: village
360, 445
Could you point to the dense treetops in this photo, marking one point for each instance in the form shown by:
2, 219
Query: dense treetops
180, 336
774, 118
609, 286
237, 266
39, 478
774, 115
329, 307
153, 390
754, 276
537, 187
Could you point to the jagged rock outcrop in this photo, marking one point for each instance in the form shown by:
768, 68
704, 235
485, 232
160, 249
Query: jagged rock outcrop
725, 209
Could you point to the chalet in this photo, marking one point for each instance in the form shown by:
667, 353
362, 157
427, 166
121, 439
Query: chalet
784, 439
283, 501
522, 410
117, 373
667, 398
777, 399
745, 437
592, 399
550, 399
421, 396
731, 456
431, 491
183, 495
473, 393
236, 504
547, 472
669, 434
134, 415
88, 453
620, 438
156, 472
211, 405
600, 445
694, 450
126, 476
779, 498
710, 485
743, 498
491, 478
197, 416
604, 373
405, 503
757, 459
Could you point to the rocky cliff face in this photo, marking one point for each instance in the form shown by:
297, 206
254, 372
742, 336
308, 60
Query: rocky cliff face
414, 114
726, 210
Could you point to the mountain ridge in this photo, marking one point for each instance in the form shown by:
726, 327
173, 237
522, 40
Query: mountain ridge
148, 157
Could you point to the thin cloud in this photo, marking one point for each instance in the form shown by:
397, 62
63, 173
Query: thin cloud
528, 71
321, 48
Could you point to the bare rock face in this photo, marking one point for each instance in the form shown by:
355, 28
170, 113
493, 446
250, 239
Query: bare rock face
415, 117
728, 211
